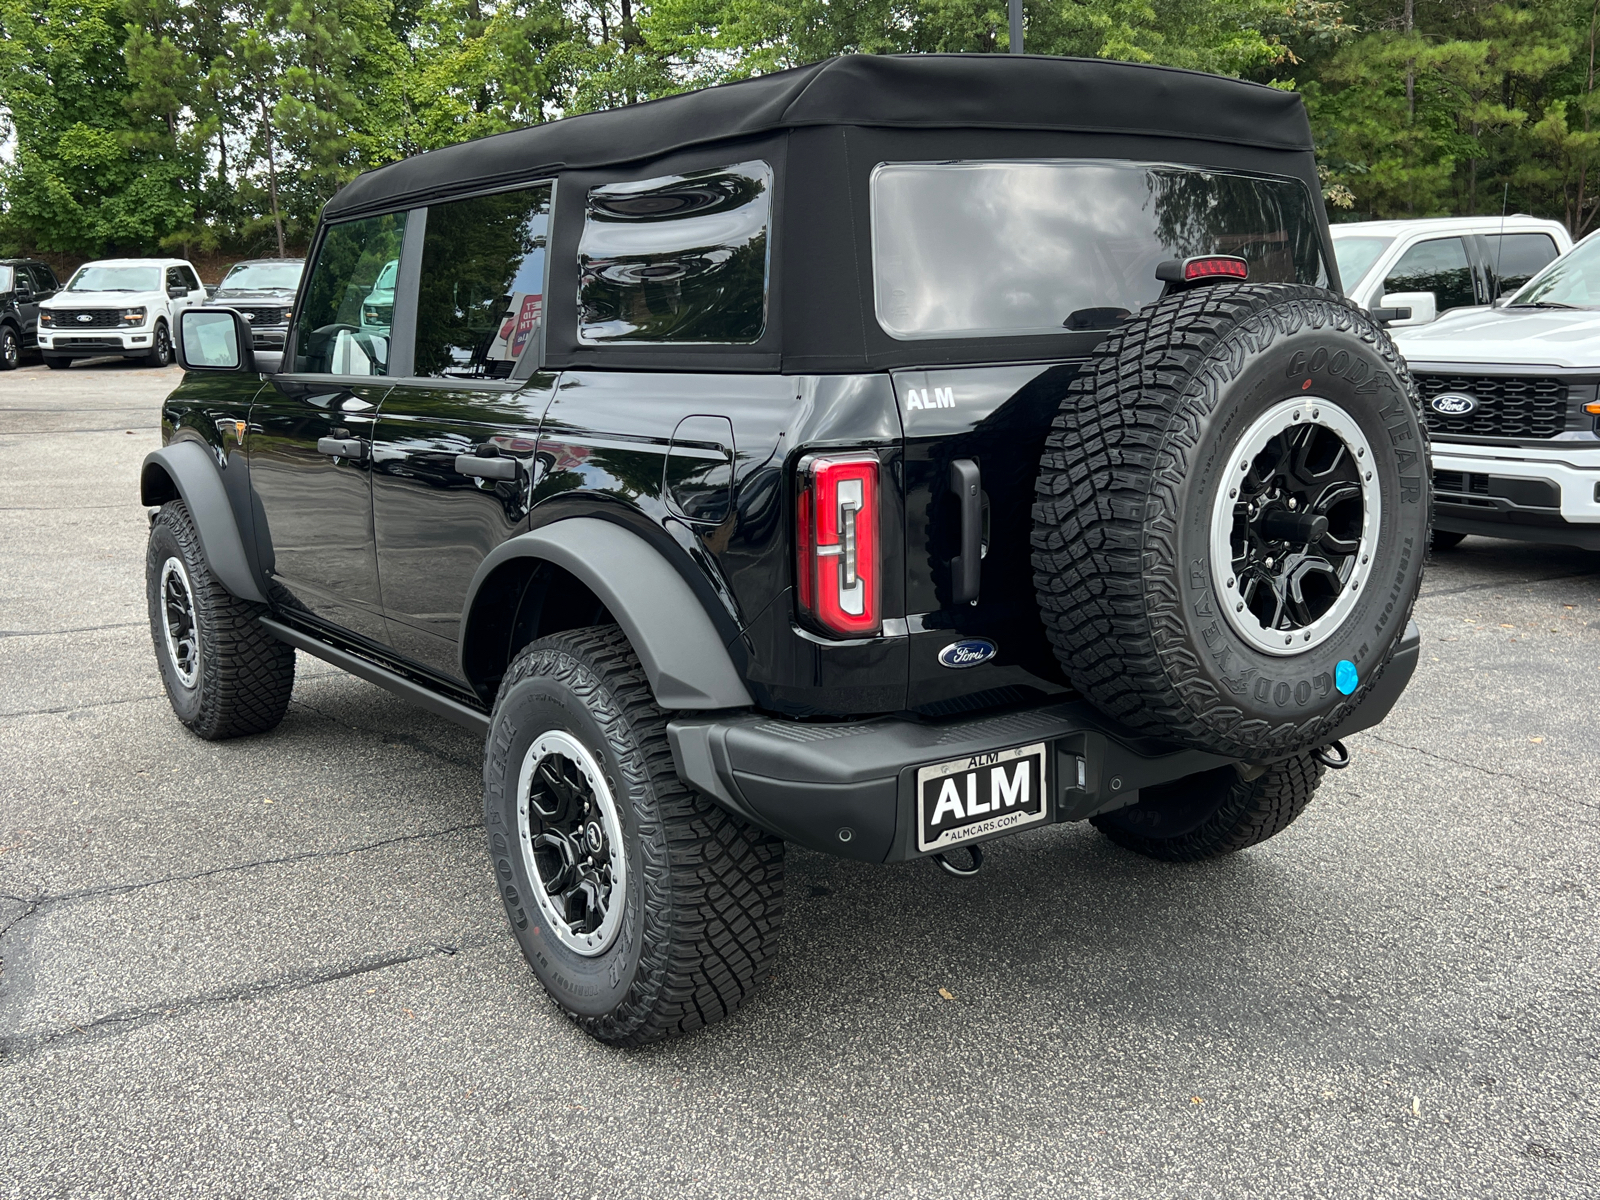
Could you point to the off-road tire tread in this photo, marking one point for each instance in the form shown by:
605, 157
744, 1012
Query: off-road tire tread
712, 884
247, 675
1253, 811
1107, 567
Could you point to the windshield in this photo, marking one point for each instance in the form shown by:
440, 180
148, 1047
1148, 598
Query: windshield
116, 279
979, 249
264, 277
6, 280
1569, 282
1355, 255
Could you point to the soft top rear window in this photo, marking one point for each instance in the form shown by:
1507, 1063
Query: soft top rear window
978, 249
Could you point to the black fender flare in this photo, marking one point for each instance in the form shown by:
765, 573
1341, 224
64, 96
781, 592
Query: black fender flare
193, 470
686, 662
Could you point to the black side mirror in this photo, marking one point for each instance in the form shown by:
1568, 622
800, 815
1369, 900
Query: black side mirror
214, 339
177, 291
1384, 315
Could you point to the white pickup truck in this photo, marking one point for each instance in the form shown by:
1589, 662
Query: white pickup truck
1512, 396
126, 306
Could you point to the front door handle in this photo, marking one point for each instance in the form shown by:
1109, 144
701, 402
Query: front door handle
353, 448
487, 464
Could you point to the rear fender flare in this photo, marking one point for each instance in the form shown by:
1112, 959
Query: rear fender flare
686, 662
191, 469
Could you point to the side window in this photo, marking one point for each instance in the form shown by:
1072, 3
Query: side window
480, 302
1439, 266
175, 278
188, 278
343, 325
682, 258
1515, 258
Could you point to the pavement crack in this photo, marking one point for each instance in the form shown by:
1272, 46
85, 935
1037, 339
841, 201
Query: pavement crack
14, 1046
1483, 587
1521, 780
72, 708
116, 889
10, 633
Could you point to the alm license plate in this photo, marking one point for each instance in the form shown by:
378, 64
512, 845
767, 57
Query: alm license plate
986, 793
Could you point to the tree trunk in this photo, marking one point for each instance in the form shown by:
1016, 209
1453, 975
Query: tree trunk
272, 177
1579, 223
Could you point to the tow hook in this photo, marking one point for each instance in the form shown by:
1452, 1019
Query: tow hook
1334, 756
976, 852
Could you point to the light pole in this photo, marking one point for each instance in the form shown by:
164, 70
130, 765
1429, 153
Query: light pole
1016, 26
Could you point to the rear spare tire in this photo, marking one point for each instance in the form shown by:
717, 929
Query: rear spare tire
1232, 517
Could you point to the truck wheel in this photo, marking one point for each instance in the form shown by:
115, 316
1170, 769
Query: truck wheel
1232, 516
56, 362
644, 909
10, 348
1214, 812
224, 674
1443, 539
160, 347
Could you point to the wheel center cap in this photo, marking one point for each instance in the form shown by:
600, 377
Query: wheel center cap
594, 836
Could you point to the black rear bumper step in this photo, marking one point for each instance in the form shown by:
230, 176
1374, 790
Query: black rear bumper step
850, 789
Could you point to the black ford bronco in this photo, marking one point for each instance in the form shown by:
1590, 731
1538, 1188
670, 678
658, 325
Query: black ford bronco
883, 456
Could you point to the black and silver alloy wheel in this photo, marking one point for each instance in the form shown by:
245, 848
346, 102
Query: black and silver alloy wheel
572, 842
10, 348
179, 623
1292, 534
161, 348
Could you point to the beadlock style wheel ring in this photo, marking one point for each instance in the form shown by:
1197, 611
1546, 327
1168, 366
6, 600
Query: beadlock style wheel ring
571, 839
1294, 526
179, 623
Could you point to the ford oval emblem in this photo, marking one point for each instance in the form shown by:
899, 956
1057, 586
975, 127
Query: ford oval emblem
1453, 404
968, 653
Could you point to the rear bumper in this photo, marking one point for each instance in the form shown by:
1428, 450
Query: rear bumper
850, 789
1523, 493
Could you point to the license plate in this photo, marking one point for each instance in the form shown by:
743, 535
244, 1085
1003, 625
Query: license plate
972, 797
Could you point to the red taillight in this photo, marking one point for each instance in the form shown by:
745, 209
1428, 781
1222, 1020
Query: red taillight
1208, 268
836, 543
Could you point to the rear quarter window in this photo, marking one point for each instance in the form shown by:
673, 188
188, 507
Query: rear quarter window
677, 259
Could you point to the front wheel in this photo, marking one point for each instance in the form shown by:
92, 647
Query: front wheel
161, 347
644, 909
1215, 812
225, 675
10, 348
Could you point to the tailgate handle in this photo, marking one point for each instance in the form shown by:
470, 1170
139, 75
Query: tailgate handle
966, 483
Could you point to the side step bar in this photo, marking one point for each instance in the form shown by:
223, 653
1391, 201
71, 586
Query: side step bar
406, 689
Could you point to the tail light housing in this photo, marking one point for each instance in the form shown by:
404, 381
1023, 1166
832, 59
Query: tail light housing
837, 544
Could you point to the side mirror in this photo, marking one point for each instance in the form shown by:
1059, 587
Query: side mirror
214, 339
1423, 305
177, 292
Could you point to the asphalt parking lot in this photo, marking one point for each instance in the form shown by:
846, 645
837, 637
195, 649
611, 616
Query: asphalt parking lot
276, 966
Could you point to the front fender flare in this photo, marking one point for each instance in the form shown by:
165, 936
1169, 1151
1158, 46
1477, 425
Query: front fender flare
684, 659
193, 471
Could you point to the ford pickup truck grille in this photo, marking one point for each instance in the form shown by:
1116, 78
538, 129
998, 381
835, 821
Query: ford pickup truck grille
1508, 406
260, 316
99, 318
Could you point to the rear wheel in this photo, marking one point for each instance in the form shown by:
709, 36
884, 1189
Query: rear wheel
1232, 517
643, 908
10, 348
1215, 812
225, 675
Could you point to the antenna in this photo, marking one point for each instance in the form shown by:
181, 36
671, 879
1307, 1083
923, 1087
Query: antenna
1500, 247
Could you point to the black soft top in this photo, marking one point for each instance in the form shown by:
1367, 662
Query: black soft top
922, 91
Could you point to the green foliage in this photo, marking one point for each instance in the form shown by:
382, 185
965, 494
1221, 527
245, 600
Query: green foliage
224, 125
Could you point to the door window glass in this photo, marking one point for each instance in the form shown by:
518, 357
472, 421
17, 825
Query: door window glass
681, 258
1439, 266
175, 279
1515, 258
480, 302
189, 279
343, 325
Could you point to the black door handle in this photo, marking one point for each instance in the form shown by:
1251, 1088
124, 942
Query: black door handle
342, 447
487, 464
966, 483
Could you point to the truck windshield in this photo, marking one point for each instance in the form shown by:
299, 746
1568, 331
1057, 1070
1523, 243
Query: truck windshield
981, 249
116, 279
1355, 254
1569, 282
264, 276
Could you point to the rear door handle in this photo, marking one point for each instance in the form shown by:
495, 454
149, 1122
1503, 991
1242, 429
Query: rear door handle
967, 484
342, 447
486, 466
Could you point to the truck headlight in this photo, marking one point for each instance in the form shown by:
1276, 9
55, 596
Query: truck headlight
132, 316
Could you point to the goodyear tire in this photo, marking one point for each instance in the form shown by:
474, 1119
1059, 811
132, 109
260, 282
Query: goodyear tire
644, 909
224, 675
1232, 516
